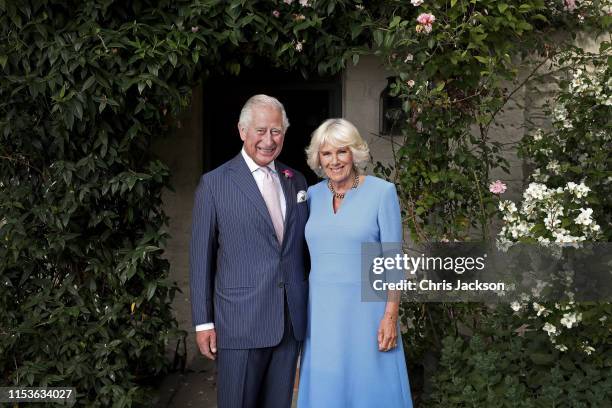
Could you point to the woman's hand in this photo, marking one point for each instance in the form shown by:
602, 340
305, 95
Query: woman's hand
387, 332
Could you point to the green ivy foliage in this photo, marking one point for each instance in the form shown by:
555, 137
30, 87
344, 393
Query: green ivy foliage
509, 364
85, 87
454, 78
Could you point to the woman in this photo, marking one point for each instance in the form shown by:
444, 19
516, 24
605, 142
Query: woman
353, 355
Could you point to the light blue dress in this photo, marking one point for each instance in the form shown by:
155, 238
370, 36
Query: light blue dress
341, 366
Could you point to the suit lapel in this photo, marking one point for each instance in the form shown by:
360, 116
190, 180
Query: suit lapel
289, 191
244, 180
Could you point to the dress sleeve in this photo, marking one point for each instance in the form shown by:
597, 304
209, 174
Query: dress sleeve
309, 197
390, 230
389, 216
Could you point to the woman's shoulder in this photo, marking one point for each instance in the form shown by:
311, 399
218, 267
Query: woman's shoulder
316, 188
379, 184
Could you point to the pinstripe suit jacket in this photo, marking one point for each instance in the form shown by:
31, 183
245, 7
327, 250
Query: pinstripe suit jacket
239, 272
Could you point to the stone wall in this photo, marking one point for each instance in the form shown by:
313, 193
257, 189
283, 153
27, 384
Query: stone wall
182, 152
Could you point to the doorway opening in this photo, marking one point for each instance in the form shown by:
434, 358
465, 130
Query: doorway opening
308, 102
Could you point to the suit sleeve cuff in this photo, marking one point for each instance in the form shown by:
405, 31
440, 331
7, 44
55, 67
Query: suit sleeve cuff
205, 326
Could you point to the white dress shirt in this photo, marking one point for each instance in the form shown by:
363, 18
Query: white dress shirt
258, 175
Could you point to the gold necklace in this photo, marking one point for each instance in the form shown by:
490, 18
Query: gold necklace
340, 196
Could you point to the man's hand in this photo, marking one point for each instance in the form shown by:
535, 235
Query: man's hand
207, 343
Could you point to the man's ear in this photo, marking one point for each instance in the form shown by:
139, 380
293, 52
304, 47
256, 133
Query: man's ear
242, 132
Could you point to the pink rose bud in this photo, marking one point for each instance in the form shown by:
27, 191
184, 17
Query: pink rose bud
569, 5
426, 19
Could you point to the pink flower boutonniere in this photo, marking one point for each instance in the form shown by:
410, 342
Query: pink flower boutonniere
288, 173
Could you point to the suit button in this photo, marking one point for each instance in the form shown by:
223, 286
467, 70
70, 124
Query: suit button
281, 284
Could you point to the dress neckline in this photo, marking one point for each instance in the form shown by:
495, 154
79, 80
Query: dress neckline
349, 193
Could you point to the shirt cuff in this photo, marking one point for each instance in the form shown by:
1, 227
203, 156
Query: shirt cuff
205, 326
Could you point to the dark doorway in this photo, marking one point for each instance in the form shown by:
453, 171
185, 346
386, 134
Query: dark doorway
307, 102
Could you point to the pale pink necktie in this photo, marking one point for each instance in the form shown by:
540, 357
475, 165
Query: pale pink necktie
271, 196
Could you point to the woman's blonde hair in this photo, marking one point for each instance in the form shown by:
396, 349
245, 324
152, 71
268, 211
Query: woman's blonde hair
337, 133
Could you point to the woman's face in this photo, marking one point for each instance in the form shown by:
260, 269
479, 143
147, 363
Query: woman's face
337, 162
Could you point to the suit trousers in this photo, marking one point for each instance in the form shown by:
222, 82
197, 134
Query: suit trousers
259, 378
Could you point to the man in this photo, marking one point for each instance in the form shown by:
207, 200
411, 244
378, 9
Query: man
248, 286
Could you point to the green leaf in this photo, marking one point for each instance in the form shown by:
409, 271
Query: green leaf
378, 38
173, 59
78, 110
90, 81
502, 7
282, 49
301, 26
356, 29
151, 287
331, 7
539, 17
395, 22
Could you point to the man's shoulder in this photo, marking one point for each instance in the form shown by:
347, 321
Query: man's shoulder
216, 172
220, 172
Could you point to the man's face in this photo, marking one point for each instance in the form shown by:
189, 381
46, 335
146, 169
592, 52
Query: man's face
263, 138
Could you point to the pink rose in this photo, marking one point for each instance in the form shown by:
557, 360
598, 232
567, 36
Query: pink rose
288, 173
569, 5
497, 187
426, 19
276, 13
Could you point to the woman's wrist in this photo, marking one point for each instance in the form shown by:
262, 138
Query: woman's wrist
391, 315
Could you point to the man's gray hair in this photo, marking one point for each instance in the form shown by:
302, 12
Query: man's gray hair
246, 114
